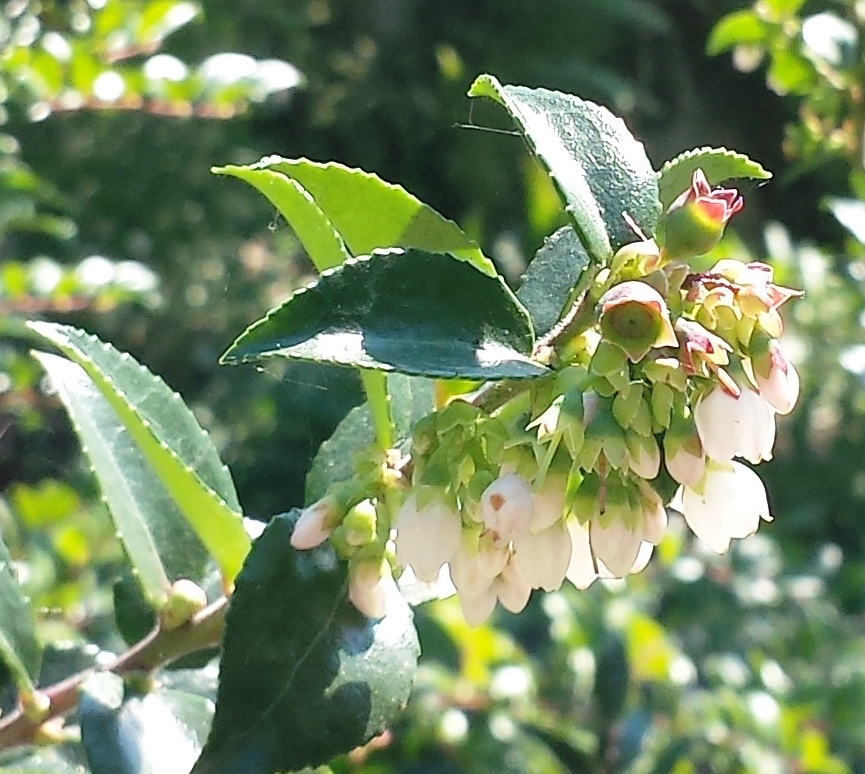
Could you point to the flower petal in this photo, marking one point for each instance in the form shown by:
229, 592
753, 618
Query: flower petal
581, 568
543, 557
616, 546
426, 539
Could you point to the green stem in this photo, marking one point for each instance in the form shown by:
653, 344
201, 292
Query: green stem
375, 387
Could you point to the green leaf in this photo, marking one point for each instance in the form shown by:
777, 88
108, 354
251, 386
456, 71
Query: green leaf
411, 399
364, 210
316, 233
409, 311
304, 676
158, 540
600, 170
718, 164
551, 276
159, 732
169, 438
738, 28
19, 646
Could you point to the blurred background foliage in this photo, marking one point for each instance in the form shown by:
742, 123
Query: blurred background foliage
112, 113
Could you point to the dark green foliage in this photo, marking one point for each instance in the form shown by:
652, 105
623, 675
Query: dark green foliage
304, 676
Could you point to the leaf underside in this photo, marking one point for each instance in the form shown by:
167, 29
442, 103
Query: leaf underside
551, 276
155, 419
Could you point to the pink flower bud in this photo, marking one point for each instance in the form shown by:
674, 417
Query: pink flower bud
695, 221
315, 524
370, 585
635, 317
684, 458
776, 378
701, 349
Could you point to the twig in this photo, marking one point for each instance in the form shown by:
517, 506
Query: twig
157, 649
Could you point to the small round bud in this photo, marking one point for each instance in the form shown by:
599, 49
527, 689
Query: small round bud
185, 599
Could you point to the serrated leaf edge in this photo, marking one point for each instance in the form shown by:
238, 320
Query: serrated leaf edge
227, 359
597, 241
481, 262
82, 358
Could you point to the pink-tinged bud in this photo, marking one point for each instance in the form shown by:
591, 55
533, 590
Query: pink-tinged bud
644, 456
701, 349
695, 221
315, 524
370, 585
507, 507
776, 377
635, 317
684, 458
654, 514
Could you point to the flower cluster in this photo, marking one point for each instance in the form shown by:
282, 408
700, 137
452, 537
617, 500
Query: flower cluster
670, 378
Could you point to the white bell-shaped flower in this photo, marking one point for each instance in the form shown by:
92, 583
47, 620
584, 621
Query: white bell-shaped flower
426, 538
616, 545
512, 588
475, 565
582, 570
507, 506
729, 503
543, 557
731, 426
549, 502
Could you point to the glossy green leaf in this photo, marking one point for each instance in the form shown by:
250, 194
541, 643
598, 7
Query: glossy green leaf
551, 276
158, 540
304, 676
19, 647
409, 311
718, 164
168, 437
315, 231
158, 732
410, 397
364, 210
602, 173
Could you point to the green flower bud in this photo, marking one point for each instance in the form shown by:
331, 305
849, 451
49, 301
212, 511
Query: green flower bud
695, 222
185, 599
634, 316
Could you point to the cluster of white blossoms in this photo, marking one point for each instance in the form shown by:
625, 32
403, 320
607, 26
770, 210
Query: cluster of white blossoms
675, 377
